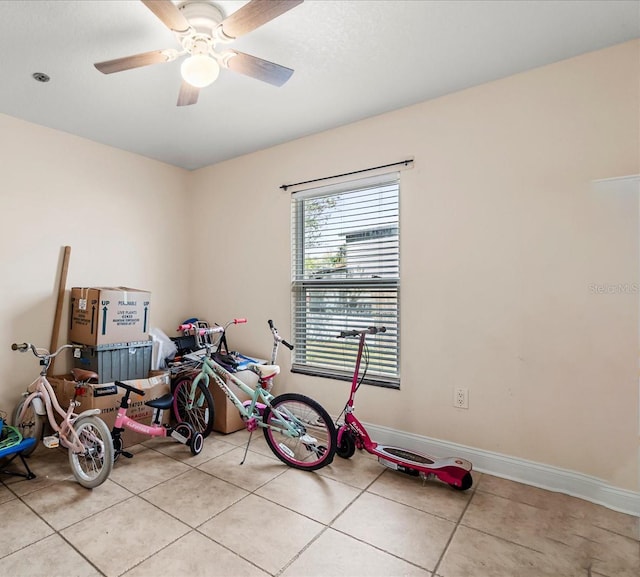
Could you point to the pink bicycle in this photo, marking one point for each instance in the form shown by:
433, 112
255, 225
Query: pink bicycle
84, 435
183, 432
352, 435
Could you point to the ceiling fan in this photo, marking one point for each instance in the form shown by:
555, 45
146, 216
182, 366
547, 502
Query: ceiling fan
199, 26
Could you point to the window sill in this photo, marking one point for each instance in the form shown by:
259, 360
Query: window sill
385, 382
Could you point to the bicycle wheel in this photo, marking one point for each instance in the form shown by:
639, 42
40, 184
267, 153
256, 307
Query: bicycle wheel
313, 443
93, 467
200, 415
31, 425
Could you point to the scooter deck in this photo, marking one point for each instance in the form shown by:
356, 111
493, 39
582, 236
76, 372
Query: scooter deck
419, 460
404, 455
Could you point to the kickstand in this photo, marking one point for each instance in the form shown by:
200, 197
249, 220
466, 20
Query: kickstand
246, 449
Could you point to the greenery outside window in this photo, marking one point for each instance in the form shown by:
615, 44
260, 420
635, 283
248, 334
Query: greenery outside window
346, 275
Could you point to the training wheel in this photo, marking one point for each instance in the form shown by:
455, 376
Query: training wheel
196, 443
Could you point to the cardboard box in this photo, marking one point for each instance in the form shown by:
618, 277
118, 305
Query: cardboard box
107, 396
107, 315
227, 419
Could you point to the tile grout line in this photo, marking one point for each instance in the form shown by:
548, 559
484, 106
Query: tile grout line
363, 491
455, 530
56, 532
190, 528
119, 484
197, 528
327, 526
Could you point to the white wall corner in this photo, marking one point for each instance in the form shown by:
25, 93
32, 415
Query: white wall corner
627, 183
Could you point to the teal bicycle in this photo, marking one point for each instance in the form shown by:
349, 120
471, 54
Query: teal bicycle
297, 428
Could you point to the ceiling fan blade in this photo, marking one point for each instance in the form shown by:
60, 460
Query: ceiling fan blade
188, 94
128, 62
169, 14
255, 14
258, 68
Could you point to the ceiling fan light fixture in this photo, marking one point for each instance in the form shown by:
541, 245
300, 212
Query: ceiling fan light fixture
200, 70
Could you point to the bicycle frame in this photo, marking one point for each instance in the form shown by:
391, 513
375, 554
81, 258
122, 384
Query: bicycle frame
212, 370
123, 421
182, 433
40, 393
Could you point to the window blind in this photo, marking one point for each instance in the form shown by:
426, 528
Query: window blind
346, 275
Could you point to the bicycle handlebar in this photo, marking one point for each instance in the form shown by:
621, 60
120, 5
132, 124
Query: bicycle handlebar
210, 330
201, 331
130, 388
277, 337
367, 331
24, 347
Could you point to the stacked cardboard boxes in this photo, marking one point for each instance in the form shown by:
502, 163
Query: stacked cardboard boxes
112, 324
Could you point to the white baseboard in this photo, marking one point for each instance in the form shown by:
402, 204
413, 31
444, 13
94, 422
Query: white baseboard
528, 472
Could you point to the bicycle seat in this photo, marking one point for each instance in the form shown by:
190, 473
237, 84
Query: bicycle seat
84, 375
164, 402
266, 371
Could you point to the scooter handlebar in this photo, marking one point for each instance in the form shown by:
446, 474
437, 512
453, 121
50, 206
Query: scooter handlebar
368, 331
288, 345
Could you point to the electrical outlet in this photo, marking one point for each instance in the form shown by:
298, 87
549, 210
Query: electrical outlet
461, 398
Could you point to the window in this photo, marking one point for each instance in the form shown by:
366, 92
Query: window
346, 275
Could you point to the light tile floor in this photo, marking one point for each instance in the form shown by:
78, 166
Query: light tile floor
167, 513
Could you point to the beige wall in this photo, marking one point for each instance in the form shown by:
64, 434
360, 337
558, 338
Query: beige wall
121, 214
503, 239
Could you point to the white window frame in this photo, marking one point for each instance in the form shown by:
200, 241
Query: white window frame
376, 238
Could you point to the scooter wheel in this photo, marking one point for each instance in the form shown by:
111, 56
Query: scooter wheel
467, 481
197, 441
347, 446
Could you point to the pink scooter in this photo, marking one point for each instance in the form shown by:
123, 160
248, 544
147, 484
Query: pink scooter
352, 435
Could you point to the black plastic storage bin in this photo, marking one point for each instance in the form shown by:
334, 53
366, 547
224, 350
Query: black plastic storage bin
118, 361
185, 344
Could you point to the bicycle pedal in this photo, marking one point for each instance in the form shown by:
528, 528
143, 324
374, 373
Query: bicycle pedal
127, 454
308, 440
51, 442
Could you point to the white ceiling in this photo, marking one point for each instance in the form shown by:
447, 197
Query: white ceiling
352, 59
